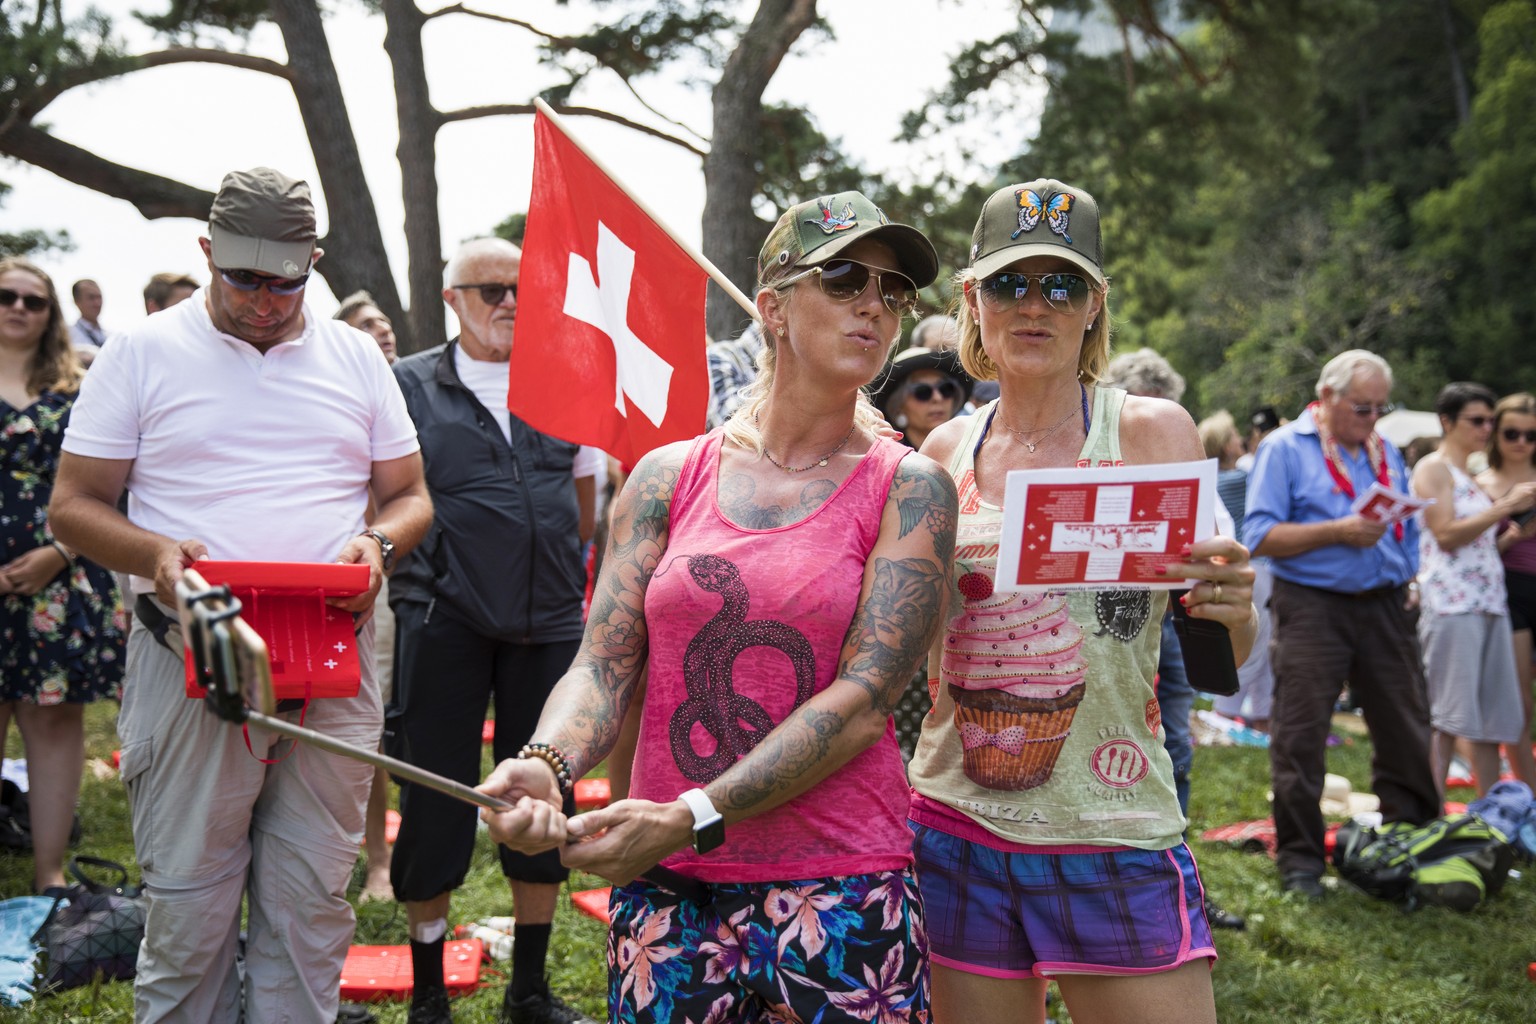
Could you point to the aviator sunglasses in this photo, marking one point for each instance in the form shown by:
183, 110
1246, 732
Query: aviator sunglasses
1511, 434
246, 281
1065, 293
1367, 409
845, 280
947, 389
490, 294
32, 303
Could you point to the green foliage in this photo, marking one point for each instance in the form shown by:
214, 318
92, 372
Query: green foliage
185, 21
32, 242
512, 228
41, 47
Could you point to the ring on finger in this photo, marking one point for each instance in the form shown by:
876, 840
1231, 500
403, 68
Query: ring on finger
1216, 593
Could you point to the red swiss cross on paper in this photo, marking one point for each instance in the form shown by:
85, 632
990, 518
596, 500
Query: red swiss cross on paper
610, 328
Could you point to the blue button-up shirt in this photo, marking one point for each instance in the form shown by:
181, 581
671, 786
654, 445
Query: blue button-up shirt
1291, 484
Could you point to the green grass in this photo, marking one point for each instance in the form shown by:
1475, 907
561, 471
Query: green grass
1350, 959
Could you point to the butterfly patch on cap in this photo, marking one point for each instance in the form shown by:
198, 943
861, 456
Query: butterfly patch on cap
1057, 211
831, 223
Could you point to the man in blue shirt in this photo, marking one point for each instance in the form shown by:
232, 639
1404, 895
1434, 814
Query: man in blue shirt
1341, 609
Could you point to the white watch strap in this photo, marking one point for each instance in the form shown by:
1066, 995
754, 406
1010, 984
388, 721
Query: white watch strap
699, 803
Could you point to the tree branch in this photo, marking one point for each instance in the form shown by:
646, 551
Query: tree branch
100, 72
499, 109
152, 195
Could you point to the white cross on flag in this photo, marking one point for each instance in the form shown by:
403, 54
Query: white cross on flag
610, 320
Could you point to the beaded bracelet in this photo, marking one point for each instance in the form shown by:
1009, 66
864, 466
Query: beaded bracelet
551, 756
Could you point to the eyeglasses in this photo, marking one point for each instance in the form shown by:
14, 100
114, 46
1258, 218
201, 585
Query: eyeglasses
924, 391
1478, 422
1510, 434
246, 281
32, 303
1367, 409
1065, 293
490, 294
845, 280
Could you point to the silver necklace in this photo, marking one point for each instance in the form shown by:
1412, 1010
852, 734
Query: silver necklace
819, 462
1023, 435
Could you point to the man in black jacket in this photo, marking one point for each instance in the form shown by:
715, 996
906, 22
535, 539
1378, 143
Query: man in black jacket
488, 608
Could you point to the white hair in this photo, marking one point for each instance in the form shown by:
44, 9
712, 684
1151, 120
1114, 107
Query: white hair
473, 250
1145, 372
1339, 371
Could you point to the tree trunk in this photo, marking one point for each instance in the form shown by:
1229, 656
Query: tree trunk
355, 256
732, 234
417, 155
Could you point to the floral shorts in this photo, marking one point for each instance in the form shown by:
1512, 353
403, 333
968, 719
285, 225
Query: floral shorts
850, 948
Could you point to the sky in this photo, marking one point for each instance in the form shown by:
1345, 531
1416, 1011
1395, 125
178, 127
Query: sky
194, 123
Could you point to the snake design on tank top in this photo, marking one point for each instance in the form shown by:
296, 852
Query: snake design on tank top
735, 722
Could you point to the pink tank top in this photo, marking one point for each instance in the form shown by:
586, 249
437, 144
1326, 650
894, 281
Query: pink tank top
746, 625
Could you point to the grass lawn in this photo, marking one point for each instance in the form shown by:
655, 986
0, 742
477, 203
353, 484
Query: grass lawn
1350, 959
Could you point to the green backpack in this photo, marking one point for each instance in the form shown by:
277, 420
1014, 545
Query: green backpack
1454, 861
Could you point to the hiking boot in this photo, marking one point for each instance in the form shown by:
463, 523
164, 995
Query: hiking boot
1304, 884
430, 1007
542, 1007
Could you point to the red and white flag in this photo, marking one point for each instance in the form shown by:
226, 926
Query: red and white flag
610, 319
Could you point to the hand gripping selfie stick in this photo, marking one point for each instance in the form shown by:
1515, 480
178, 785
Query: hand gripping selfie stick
232, 665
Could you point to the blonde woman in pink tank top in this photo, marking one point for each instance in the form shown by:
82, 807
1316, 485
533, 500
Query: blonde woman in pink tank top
779, 580
1048, 834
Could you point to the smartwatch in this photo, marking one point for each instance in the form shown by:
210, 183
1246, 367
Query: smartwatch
708, 823
386, 547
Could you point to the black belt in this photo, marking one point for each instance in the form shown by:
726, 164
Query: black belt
159, 625
1390, 590
688, 888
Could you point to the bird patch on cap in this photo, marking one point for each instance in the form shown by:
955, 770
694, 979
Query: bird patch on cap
830, 223
1057, 211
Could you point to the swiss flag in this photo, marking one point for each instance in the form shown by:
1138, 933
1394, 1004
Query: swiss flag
610, 319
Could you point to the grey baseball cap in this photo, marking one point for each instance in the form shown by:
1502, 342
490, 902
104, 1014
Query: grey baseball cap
1043, 217
263, 220
818, 229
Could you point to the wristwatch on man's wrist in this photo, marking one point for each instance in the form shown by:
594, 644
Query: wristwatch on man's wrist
708, 823
386, 547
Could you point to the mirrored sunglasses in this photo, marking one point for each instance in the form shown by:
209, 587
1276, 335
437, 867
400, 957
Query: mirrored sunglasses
845, 280
924, 391
1065, 293
247, 281
31, 303
1510, 433
490, 294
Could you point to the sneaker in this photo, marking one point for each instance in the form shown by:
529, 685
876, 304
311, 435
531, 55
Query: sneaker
430, 1007
1221, 918
542, 1007
1304, 884
354, 1013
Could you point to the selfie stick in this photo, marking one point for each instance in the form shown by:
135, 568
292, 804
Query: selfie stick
232, 665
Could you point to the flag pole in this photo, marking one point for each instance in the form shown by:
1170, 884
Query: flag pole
698, 257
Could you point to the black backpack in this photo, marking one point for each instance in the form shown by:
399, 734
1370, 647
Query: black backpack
1454, 861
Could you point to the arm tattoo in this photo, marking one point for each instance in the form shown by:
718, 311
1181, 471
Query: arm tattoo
588, 714
894, 628
796, 748
736, 501
926, 498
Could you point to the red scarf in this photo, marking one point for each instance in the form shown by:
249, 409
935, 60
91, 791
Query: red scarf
1375, 451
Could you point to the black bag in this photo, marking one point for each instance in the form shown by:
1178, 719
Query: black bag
1454, 861
93, 929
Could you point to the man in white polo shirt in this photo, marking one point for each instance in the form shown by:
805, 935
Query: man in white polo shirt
245, 428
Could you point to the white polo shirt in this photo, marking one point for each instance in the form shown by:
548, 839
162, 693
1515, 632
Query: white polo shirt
262, 457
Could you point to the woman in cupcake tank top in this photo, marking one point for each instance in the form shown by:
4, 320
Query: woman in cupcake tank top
1048, 836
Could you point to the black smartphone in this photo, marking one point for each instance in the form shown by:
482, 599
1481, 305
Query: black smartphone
1207, 647
1521, 518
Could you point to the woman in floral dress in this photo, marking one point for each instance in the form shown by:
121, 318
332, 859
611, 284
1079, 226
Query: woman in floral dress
1469, 662
61, 618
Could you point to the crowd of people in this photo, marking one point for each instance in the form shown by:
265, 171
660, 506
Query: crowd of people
767, 595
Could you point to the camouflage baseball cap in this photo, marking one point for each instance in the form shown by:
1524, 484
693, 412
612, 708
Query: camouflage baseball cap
1039, 218
813, 232
263, 220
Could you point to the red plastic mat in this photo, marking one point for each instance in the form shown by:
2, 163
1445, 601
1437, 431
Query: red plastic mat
379, 973
593, 902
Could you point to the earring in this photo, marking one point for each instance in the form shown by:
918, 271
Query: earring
1091, 323
779, 331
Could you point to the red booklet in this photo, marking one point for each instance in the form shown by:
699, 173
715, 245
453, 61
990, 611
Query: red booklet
311, 645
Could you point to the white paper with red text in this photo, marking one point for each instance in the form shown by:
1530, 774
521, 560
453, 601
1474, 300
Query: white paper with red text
1079, 529
1381, 504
